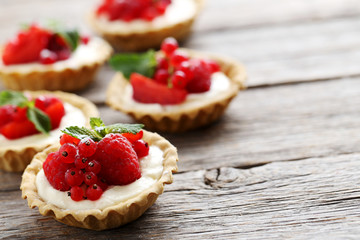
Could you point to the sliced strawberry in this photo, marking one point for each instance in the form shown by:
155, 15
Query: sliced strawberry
133, 137
55, 111
148, 91
26, 47
6, 114
14, 130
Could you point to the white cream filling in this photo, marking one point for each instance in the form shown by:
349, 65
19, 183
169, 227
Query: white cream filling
178, 11
83, 55
151, 169
219, 83
73, 116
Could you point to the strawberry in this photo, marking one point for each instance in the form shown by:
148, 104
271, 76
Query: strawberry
148, 91
15, 130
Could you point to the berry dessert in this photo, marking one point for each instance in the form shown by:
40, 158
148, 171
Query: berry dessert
99, 178
136, 25
40, 58
31, 121
174, 90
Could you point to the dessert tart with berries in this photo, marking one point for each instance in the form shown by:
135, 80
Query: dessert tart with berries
31, 121
179, 91
99, 178
136, 25
40, 58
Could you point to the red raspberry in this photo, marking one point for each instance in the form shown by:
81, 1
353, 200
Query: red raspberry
94, 192
201, 81
118, 159
149, 91
141, 148
68, 139
87, 147
212, 65
68, 153
55, 169
74, 177
77, 193
133, 137
169, 45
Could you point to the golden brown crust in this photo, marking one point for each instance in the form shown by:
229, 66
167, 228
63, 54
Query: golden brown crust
63, 79
181, 119
16, 159
110, 217
150, 39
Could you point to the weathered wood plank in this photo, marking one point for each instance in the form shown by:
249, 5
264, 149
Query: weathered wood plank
313, 198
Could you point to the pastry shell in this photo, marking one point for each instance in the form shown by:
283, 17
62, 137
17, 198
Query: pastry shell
131, 42
50, 78
182, 119
112, 216
16, 159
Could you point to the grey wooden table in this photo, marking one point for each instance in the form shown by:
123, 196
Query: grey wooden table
282, 163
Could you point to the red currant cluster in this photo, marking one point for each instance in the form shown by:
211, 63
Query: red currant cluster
14, 122
37, 44
176, 69
129, 10
86, 167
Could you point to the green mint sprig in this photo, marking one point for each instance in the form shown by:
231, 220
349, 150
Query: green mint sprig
127, 63
36, 116
98, 129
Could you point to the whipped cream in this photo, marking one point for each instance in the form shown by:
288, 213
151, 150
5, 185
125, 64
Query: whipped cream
83, 55
178, 11
219, 83
73, 116
151, 170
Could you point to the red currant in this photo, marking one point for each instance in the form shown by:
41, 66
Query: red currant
68, 153
169, 45
87, 147
90, 178
177, 58
94, 192
178, 80
102, 183
74, 177
47, 56
186, 68
85, 39
68, 139
76, 193
161, 76
162, 63
93, 166
141, 148
80, 162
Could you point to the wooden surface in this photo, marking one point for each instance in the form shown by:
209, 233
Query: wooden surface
282, 163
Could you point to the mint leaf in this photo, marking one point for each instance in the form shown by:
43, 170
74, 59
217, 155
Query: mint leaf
13, 98
81, 133
96, 122
39, 119
128, 63
124, 128
72, 38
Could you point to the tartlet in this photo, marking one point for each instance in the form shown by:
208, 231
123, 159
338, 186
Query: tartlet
122, 38
177, 118
16, 158
72, 74
109, 217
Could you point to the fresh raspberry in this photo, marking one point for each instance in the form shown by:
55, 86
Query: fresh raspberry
6, 114
74, 177
87, 147
90, 178
118, 159
55, 169
93, 166
68, 139
133, 137
94, 192
14, 130
146, 90
169, 45
76, 193
68, 153
212, 65
201, 81
141, 148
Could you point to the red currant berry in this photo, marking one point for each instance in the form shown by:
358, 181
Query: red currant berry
186, 68
93, 166
141, 148
178, 80
94, 192
133, 137
68, 153
47, 56
102, 183
85, 39
76, 193
90, 178
177, 58
68, 139
162, 63
169, 45
87, 147
81, 162
74, 177
161, 76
